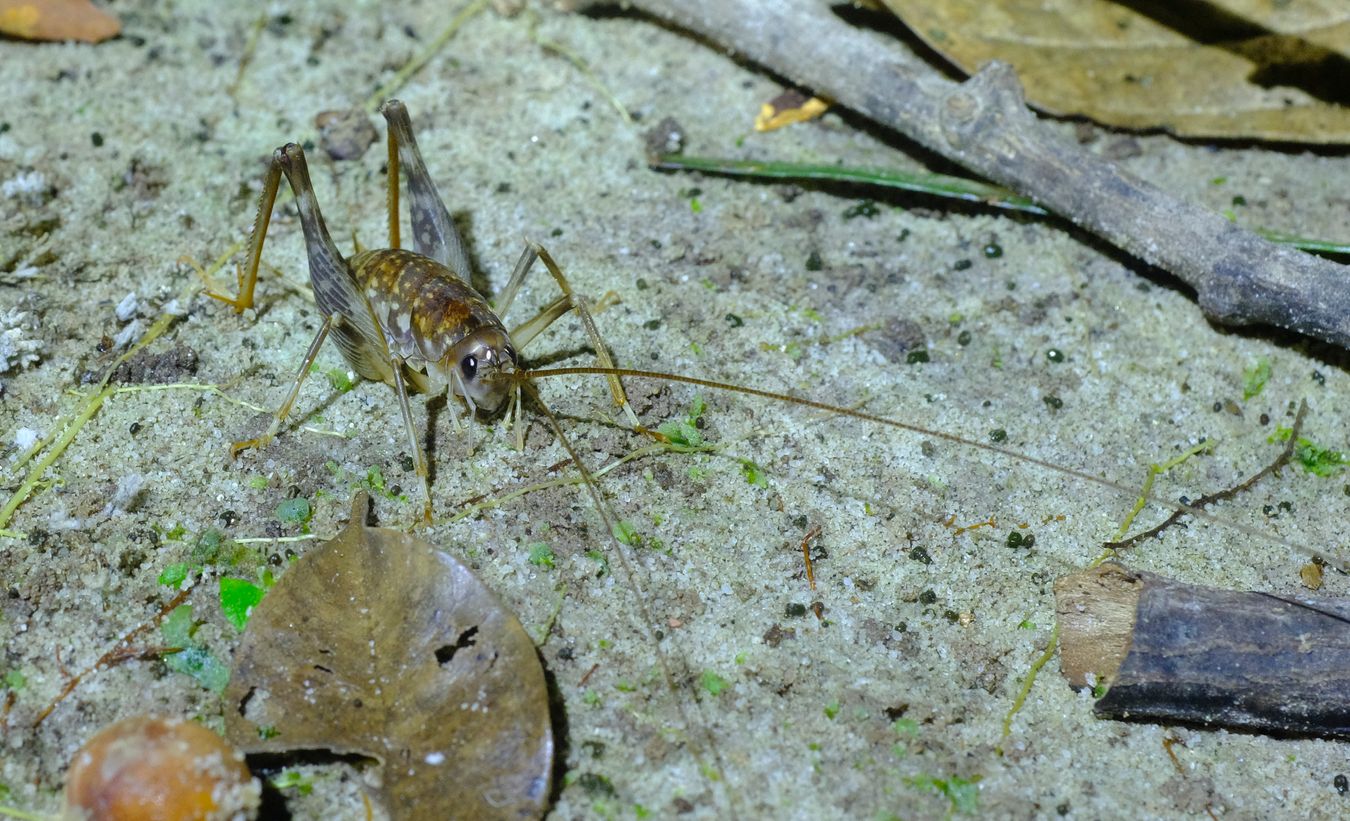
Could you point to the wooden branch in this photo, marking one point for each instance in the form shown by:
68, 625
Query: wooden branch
984, 125
1174, 652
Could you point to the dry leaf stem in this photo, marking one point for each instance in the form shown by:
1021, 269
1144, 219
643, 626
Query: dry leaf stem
984, 125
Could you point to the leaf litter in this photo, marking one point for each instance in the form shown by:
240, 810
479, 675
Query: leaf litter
379, 645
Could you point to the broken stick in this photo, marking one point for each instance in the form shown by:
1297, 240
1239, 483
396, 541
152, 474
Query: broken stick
1178, 653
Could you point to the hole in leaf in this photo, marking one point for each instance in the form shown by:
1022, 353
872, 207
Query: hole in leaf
446, 652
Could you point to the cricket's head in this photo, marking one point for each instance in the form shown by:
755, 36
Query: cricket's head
480, 366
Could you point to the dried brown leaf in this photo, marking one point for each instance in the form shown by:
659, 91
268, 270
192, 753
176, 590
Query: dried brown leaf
1248, 68
380, 645
57, 20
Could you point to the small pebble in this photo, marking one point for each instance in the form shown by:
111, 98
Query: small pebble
126, 309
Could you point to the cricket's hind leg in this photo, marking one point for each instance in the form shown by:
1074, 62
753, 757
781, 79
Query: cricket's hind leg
246, 276
526, 331
434, 233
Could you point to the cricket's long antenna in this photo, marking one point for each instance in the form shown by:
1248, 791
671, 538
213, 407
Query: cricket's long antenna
586, 476
1126, 491
602, 507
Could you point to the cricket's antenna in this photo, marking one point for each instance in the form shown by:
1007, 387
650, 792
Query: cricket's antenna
602, 507
1127, 492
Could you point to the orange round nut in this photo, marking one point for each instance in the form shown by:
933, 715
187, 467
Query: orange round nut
150, 768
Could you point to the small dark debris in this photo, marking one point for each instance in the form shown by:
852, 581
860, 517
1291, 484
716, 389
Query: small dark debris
596, 785
963, 264
666, 137
920, 554
776, 634
345, 135
145, 181
898, 337
1341, 783
927, 597
683, 806
866, 208
97, 139
158, 368
1122, 149
595, 748
794, 610
818, 607
814, 262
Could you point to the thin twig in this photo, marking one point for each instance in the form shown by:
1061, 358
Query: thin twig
1210, 498
117, 654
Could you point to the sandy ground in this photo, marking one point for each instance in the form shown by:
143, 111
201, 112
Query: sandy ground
119, 159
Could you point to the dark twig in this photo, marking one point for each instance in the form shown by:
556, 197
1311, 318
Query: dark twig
984, 125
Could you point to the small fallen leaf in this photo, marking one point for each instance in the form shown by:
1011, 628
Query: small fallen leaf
378, 644
57, 20
792, 106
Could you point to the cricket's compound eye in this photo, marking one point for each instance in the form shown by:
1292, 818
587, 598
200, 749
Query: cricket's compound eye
469, 366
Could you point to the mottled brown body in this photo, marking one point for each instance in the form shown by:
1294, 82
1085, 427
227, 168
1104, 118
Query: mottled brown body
409, 319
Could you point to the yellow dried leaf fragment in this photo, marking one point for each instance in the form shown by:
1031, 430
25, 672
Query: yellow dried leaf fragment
792, 106
57, 20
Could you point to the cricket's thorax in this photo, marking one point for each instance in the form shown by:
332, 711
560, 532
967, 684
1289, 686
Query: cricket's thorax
433, 320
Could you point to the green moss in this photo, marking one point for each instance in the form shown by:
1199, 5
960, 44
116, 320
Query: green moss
1255, 377
753, 474
713, 683
1314, 458
238, 597
190, 657
541, 555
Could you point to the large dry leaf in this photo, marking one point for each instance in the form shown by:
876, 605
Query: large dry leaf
380, 645
1230, 72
